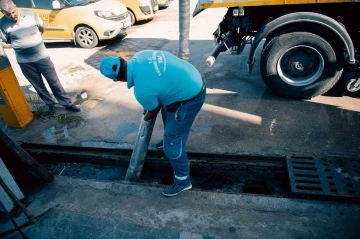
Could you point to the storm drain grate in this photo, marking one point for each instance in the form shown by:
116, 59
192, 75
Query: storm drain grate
325, 177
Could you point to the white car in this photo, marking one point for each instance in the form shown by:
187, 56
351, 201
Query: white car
164, 3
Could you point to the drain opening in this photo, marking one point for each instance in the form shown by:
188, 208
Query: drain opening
303, 163
305, 168
307, 181
298, 157
256, 188
309, 188
306, 175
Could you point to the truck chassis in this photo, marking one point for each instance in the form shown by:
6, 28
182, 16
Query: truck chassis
307, 49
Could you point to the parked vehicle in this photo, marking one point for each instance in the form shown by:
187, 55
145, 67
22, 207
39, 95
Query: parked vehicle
140, 10
84, 22
308, 46
164, 3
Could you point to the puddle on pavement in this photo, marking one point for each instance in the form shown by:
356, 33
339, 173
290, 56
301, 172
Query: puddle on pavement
126, 129
54, 133
49, 135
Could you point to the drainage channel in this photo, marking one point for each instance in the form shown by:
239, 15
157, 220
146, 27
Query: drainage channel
212, 172
325, 178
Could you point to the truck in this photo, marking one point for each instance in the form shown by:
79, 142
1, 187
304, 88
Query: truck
307, 45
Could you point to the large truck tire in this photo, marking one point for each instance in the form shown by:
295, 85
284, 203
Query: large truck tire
300, 65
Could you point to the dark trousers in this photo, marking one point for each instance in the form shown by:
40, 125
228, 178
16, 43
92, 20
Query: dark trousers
33, 71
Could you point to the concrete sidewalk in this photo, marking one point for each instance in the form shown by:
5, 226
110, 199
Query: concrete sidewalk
91, 209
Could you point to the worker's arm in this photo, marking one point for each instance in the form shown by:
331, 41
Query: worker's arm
40, 24
5, 38
42, 29
152, 114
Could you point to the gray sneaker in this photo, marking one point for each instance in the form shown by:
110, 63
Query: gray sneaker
175, 189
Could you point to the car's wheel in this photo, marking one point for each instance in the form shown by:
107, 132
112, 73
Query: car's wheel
300, 65
86, 37
132, 16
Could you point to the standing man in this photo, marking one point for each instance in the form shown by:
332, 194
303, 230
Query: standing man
164, 82
23, 29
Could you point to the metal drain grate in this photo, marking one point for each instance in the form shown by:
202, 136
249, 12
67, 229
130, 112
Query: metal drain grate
325, 177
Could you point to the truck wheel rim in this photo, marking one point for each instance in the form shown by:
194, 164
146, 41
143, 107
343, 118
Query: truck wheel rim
300, 65
86, 37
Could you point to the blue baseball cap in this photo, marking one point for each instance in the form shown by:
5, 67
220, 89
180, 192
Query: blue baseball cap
110, 66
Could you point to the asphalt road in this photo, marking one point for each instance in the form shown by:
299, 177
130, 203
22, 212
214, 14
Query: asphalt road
246, 113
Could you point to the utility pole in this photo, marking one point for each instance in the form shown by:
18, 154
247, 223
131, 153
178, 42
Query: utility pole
184, 29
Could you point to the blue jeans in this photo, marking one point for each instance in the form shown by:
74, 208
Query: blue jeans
177, 127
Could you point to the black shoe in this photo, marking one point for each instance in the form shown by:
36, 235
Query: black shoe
51, 110
73, 108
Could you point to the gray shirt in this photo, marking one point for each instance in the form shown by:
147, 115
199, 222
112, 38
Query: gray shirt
25, 37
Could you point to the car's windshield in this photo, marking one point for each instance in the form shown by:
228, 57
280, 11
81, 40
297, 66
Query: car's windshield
79, 2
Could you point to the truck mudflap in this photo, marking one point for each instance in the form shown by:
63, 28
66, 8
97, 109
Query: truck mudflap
306, 17
197, 9
353, 82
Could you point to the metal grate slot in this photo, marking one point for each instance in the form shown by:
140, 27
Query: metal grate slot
305, 168
303, 163
324, 178
308, 188
306, 175
307, 181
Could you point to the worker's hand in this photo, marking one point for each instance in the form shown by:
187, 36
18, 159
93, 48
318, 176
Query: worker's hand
152, 113
144, 121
